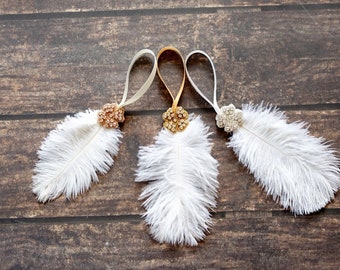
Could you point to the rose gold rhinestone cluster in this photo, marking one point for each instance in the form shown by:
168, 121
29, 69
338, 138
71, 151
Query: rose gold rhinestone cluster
175, 120
110, 115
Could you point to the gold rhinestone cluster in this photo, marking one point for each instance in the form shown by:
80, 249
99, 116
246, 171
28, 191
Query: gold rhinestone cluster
175, 120
230, 118
110, 115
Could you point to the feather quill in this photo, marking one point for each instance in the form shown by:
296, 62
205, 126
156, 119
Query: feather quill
298, 170
72, 154
183, 184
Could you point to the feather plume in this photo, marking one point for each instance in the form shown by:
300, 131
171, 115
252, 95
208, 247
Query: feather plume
72, 154
297, 169
183, 184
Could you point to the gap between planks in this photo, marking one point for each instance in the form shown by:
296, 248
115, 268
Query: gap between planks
304, 107
138, 218
164, 11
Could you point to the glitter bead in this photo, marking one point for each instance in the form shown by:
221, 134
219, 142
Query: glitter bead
175, 120
110, 115
229, 118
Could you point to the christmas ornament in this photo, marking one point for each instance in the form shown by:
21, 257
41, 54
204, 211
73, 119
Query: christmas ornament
182, 175
82, 145
298, 170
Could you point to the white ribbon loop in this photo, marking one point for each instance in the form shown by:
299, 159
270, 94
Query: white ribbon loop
214, 102
146, 84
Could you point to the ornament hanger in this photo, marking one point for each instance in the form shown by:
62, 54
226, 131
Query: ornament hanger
228, 117
178, 96
112, 113
175, 118
146, 84
214, 102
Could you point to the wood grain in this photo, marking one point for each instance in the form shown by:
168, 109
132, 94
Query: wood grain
67, 65
116, 193
73, 6
61, 57
238, 241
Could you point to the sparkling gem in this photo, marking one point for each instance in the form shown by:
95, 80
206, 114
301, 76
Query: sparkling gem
110, 115
175, 120
229, 118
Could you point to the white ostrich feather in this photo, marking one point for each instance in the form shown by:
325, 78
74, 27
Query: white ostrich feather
72, 154
84, 144
183, 184
298, 170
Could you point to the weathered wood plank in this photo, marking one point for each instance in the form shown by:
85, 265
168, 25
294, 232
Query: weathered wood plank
62, 57
116, 193
238, 241
50, 6
67, 65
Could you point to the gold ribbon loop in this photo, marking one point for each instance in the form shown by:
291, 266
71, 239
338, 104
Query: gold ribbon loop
178, 96
175, 118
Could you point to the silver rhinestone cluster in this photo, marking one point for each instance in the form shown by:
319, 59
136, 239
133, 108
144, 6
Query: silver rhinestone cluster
229, 118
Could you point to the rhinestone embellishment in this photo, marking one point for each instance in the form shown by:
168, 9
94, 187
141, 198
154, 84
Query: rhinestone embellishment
110, 115
175, 120
230, 118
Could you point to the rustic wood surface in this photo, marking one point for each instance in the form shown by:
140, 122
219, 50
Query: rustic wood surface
61, 57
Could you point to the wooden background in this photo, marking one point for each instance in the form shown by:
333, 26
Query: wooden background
62, 57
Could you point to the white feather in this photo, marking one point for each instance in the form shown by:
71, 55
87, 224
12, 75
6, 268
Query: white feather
184, 184
297, 169
72, 154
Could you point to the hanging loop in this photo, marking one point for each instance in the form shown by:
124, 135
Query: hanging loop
146, 84
112, 113
213, 103
175, 118
228, 117
178, 96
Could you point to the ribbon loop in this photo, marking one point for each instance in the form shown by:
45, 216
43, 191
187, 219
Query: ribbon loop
146, 84
213, 103
178, 96
112, 113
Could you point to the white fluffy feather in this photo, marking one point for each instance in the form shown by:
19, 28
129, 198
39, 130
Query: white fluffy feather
183, 185
297, 169
72, 154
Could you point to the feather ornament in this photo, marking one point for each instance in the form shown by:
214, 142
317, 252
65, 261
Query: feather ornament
72, 154
298, 170
183, 184
182, 176
82, 146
